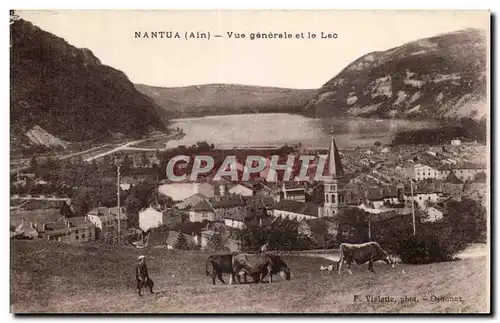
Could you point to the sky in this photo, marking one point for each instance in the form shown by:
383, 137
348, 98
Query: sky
293, 63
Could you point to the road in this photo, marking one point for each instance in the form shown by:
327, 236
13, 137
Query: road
84, 152
121, 147
128, 144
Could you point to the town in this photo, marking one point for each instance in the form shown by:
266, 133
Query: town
77, 202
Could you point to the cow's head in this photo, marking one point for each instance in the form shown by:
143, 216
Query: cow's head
383, 255
389, 260
285, 273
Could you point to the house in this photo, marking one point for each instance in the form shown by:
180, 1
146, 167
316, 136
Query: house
423, 196
354, 194
229, 206
434, 213
106, 219
258, 202
242, 189
235, 220
152, 217
456, 142
25, 230
127, 182
467, 171
191, 201
201, 212
261, 188
421, 172
180, 191
295, 191
375, 198
452, 178
390, 195
217, 209
73, 230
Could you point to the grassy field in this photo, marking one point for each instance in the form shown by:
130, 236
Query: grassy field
52, 277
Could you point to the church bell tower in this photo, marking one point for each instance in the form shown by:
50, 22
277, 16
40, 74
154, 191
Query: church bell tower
334, 183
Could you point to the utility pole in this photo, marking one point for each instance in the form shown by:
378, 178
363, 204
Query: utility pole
412, 206
118, 195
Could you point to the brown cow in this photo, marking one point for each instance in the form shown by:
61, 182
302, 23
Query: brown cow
220, 264
259, 265
361, 253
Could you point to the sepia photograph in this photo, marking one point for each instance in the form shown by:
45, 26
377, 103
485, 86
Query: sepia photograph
250, 161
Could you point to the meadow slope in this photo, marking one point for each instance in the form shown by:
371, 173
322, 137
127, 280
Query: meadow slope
60, 278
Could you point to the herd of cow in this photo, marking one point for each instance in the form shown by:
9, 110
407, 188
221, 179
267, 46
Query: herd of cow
258, 265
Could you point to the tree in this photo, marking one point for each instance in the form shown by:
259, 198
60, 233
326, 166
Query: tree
106, 165
202, 146
133, 205
215, 243
480, 177
144, 160
93, 167
108, 194
127, 165
377, 143
156, 198
34, 166
85, 200
464, 223
181, 243
467, 219
66, 210
353, 225
155, 170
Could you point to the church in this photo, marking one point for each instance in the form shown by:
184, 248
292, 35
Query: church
333, 187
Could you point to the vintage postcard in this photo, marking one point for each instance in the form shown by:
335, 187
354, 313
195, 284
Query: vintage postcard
250, 161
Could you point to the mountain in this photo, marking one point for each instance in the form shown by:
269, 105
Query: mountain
218, 99
438, 77
68, 93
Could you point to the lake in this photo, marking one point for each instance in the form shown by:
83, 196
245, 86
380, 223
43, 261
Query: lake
277, 129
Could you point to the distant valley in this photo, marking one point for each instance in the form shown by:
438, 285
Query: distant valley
223, 99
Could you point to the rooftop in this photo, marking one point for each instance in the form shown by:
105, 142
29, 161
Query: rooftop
305, 208
108, 213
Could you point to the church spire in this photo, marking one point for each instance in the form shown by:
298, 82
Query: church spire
335, 168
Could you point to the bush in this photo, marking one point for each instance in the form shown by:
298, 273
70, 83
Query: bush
281, 238
465, 223
216, 244
433, 243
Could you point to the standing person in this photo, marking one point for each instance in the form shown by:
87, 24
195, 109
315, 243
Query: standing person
142, 276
